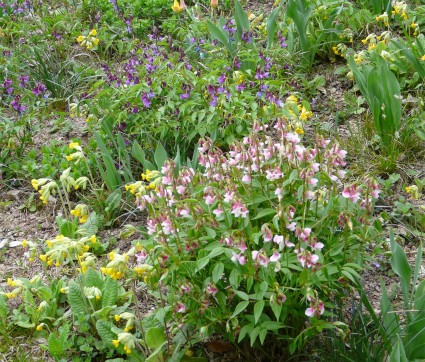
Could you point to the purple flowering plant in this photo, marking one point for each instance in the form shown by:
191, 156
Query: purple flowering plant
261, 242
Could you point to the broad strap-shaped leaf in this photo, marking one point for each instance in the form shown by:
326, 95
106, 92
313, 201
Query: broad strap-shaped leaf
242, 21
272, 26
401, 267
218, 34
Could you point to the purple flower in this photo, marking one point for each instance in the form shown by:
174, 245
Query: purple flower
146, 102
23, 79
213, 103
222, 78
39, 89
241, 86
282, 43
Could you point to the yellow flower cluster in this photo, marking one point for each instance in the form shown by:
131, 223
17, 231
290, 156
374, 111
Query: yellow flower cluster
384, 18
117, 266
139, 188
127, 339
413, 191
80, 211
79, 155
63, 247
19, 286
47, 187
303, 114
88, 41
32, 249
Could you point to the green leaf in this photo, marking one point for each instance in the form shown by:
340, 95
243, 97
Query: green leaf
55, 346
258, 309
398, 354
155, 338
109, 292
93, 278
217, 272
75, 299
218, 34
25, 324
160, 156
242, 21
104, 328
272, 26
401, 267
240, 308
265, 212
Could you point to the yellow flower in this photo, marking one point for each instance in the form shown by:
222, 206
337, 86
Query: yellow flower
214, 3
93, 32
299, 131
73, 144
63, 291
93, 239
117, 317
423, 57
178, 8
39, 327
115, 342
43, 257
24, 243
96, 41
80, 38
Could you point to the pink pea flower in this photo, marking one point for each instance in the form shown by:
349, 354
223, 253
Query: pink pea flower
240, 258
218, 211
228, 196
275, 257
291, 226
181, 189
238, 209
212, 290
267, 234
141, 257
352, 193
181, 308
317, 308
246, 179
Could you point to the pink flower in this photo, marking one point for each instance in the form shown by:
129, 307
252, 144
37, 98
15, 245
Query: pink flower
209, 199
246, 179
218, 211
238, 258
317, 308
212, 290
185, 288
141, 257
352, 193
238, 209
275, 257
181, 308
181, 189
313, 181
267, 235
291, 226
260, 257
228, 196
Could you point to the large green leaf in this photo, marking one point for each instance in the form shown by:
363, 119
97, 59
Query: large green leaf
109, 292
272, 26
75, 299
242, 21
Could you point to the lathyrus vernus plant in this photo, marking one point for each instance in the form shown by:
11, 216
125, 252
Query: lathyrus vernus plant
261, 243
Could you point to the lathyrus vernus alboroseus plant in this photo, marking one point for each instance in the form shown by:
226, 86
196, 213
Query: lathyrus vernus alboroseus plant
258, 242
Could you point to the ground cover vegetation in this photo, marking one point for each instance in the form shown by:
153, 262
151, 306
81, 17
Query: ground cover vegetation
220, 180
